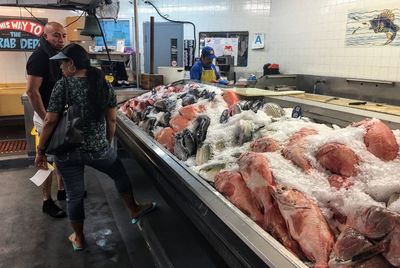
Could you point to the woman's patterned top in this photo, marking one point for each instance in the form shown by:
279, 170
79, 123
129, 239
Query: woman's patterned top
94, 130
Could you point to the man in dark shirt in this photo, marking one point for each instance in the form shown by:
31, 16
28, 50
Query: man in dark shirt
42, 76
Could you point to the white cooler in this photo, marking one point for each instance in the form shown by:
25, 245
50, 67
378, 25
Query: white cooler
171, 74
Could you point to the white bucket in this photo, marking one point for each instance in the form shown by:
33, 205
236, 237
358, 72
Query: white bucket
171, 74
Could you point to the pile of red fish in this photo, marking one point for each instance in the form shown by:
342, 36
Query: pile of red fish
366, 237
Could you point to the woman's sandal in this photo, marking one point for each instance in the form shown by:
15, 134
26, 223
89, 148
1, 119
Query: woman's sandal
75, 247
144, 213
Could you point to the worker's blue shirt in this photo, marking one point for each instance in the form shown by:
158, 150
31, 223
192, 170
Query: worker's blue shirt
197, 69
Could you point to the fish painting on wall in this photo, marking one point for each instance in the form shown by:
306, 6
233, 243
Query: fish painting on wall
373, 28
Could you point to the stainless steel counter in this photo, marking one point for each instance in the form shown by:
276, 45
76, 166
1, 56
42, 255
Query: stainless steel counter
334, 114
235, 237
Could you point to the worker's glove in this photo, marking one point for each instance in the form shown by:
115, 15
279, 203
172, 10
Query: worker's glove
223, 82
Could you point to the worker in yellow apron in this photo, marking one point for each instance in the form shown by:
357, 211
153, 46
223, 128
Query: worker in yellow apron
204, 70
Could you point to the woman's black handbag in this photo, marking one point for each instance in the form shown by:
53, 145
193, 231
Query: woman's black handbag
68, 134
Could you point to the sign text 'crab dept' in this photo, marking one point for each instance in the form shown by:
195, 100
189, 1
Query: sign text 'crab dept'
20, 33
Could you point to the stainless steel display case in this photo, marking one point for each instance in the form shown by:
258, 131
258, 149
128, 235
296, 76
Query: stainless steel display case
235, 237
238, 240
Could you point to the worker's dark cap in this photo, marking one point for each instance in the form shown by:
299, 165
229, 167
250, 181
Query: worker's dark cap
208, 52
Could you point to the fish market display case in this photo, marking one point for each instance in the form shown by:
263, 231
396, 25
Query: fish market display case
239, 240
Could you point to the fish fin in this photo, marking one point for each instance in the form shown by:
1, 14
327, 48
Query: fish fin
390, 36
370, 252
387, 13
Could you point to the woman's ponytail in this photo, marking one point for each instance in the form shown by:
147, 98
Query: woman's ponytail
98, 93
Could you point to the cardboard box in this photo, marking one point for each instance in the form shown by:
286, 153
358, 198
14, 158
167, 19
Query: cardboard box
149, 81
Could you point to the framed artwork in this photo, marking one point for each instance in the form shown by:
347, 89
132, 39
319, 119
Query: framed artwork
373, 27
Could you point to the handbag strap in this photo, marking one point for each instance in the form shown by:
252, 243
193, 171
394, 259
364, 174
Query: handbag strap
65, 82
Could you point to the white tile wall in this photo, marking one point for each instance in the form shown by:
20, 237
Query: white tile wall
217, 15
12, 64
308, 36
303, 36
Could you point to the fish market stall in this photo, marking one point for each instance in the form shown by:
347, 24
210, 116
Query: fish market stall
266, 188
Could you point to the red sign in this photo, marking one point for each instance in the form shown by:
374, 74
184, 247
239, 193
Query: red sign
30, 27
20, 33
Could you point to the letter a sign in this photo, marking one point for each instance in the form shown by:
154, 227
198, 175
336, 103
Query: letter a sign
258, 41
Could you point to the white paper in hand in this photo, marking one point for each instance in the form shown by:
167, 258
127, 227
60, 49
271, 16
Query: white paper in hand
41, 175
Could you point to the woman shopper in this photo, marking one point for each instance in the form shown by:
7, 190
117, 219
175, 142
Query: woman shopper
88, 89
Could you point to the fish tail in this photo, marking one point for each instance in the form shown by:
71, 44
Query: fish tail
370, 251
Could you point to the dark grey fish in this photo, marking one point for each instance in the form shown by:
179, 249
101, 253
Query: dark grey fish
171, 104
148, 125
164, 119
203, 122
160, 105
384, 23
188, 99
237, 109
204, 94
257, 104
224, 116
211, 96
195, 92
246, 105
244, 131
165, 105
189, 142
146, 112
180, 150
137, 117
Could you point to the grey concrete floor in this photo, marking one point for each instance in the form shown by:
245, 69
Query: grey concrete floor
33, 239
29, 238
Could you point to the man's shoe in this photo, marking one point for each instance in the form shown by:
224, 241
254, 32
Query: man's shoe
61, 195
49, 207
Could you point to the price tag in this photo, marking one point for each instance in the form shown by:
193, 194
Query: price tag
297, 112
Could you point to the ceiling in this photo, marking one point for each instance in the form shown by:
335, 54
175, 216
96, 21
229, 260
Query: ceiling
57, 4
